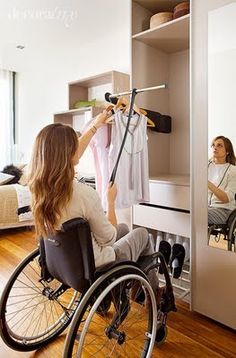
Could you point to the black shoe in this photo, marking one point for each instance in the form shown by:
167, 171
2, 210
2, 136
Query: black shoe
165, 249
177, 260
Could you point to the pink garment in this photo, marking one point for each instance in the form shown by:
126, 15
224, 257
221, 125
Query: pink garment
99, 146
98, 175
100, 151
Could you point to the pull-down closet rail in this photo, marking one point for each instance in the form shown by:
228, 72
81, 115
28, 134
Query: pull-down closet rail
133, 94
127, 93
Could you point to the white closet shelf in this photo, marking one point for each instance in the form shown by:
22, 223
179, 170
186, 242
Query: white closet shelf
172, 179
170, 37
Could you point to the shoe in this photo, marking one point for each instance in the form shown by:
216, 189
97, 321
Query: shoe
177, 260
165, 249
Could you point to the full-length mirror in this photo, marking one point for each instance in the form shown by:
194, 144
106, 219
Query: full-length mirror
221, 127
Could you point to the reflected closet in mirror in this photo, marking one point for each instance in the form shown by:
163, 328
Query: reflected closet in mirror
221, 133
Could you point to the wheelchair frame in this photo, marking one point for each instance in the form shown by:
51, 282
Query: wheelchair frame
228, 230
105, 298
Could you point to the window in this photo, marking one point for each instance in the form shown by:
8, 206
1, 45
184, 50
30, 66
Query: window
7, 116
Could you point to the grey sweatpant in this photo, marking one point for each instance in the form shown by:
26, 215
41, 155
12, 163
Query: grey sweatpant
217, 215
131, 245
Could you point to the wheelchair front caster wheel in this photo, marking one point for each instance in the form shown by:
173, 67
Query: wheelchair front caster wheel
161, 335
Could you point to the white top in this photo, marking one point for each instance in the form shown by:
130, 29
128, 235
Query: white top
85, 203
224, 177
132, 177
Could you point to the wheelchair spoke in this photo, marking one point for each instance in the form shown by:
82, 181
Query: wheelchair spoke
123, 331
25, 307
31, 316
31, 280
21, 321
33, 287
25, 300
29, 324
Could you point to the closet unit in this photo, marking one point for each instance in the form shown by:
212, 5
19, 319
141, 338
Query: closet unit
161, 55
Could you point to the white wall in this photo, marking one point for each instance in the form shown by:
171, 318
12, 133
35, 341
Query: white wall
64, 40
221, 73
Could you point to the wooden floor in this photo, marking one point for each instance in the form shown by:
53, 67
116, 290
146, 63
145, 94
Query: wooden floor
190, 334
220, 243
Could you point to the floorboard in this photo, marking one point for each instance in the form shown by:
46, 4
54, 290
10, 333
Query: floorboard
190, 334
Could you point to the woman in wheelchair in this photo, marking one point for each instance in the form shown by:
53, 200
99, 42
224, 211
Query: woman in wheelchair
87, 270
58, 197
221, 181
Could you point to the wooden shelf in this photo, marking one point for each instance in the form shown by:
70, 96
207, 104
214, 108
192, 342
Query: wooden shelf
79, 91
115, 81
170, 37
158, 6
97, 80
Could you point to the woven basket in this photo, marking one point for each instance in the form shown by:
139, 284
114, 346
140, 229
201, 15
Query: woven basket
160, 18
181, 9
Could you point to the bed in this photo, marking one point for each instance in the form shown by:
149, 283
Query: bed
8, 208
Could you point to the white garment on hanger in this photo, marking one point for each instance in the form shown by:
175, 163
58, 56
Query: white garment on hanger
132, 177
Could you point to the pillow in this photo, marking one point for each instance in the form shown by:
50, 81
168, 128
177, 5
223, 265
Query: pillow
5, 178
13, 170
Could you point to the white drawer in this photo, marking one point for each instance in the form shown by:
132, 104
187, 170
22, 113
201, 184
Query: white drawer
170, 195
171, 221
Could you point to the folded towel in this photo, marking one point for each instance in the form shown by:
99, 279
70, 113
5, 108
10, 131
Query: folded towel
24, 199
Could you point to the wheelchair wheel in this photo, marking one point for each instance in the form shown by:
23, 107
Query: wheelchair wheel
232, 235
30, 316
128, 329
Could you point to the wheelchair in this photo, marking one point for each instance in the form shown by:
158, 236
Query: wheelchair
227, 230
111, 310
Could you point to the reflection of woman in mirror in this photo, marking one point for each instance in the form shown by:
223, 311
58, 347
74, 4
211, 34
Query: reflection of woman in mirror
221, 181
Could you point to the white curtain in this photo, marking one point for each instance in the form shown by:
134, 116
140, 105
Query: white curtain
6, 117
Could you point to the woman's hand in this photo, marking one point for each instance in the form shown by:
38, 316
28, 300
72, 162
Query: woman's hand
101, 118
111, 193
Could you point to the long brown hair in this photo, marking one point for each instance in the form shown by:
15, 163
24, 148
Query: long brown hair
230, 157
51, 175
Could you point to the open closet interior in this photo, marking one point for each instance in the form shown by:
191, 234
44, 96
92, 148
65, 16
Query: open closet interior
160, 55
